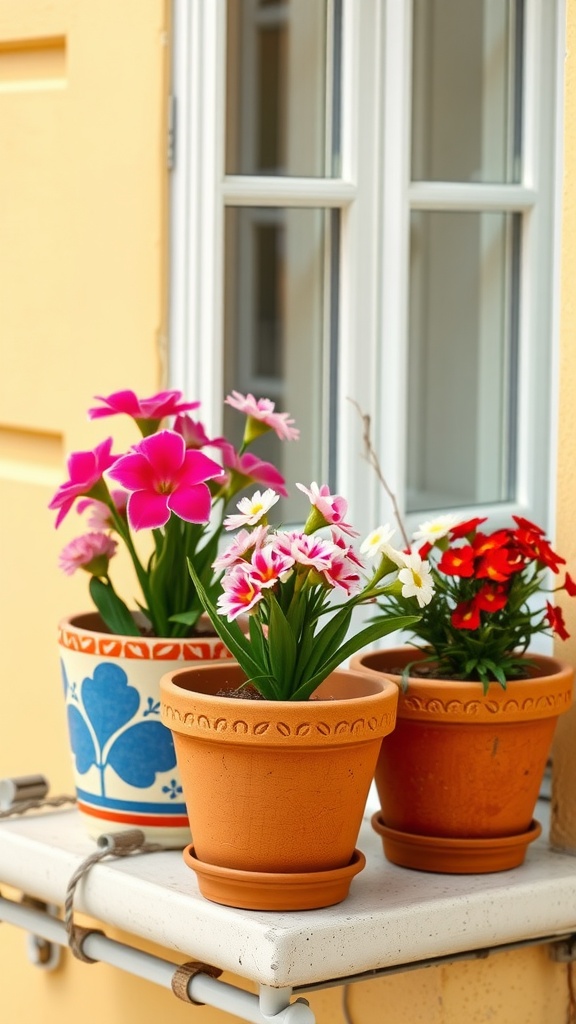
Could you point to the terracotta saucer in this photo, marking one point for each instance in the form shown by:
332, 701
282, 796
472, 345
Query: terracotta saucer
255, 890
454, 856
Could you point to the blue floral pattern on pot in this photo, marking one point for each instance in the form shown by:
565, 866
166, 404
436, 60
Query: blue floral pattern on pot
123, 757
106, 730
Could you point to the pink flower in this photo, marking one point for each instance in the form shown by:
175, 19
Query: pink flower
239, 593
306, 550
91, 551
346, 549
193, 432
268, 565
331, 507
100, 517
163, 477
241, 548
165, 403
85, 470
341, 574
252, 468
261, 410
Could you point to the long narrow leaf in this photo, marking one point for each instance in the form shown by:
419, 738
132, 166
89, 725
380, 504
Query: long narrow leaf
229, 633
112, 608
281, 648
366, 636
330, 636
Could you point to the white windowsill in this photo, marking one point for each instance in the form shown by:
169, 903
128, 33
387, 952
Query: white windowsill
392, 916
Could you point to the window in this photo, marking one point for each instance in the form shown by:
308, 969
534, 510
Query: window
363, 216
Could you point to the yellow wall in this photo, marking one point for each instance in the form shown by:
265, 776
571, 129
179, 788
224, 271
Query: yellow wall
563, 830
82, 312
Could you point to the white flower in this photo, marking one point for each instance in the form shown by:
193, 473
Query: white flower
378, 542
434, 529
416, 579
252, 509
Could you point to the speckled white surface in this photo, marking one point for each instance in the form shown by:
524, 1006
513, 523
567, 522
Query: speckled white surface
392, 915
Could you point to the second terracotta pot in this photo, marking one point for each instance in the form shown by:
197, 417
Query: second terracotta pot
277, 787
463, 765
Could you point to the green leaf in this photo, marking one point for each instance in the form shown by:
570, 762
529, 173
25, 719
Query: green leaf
330, 637
282, 648
362, 639
112, 608
230, 633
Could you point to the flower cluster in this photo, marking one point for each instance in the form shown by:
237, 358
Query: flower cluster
175, 483
299, 588
484, 612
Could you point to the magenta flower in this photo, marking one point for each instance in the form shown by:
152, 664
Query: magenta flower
241, 548
151, 410
331, 507
194, 433
163, 476
85, 470
252, 468
239, 593
261, 417
91, 551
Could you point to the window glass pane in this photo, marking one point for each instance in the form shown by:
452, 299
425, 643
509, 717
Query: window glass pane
279, 291
282, 87
463, 327
467, 90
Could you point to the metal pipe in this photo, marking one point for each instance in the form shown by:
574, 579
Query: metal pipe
273, 1007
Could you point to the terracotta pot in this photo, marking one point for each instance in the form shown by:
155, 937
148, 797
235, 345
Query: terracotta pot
123, 757
462, 766
283, 784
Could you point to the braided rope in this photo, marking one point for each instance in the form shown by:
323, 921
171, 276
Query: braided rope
112, 844
28, 805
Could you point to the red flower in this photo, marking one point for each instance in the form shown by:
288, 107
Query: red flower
498, 565
491, 598
525, 524
463, 529
570, 585
466, 615
458, 561
484, 542
539, 550
556, 620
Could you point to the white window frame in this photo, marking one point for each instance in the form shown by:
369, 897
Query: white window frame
375, 198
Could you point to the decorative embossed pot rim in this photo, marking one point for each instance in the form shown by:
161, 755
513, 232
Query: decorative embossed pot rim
545, 692
276, 786
464, 766
347, 706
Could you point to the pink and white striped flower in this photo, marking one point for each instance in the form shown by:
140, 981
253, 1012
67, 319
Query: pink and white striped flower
268, 565
311, 551
331, 507
240, 592
241, 548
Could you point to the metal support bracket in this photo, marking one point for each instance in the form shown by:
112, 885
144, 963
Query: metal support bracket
41, 952
564, 951
271, 1006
